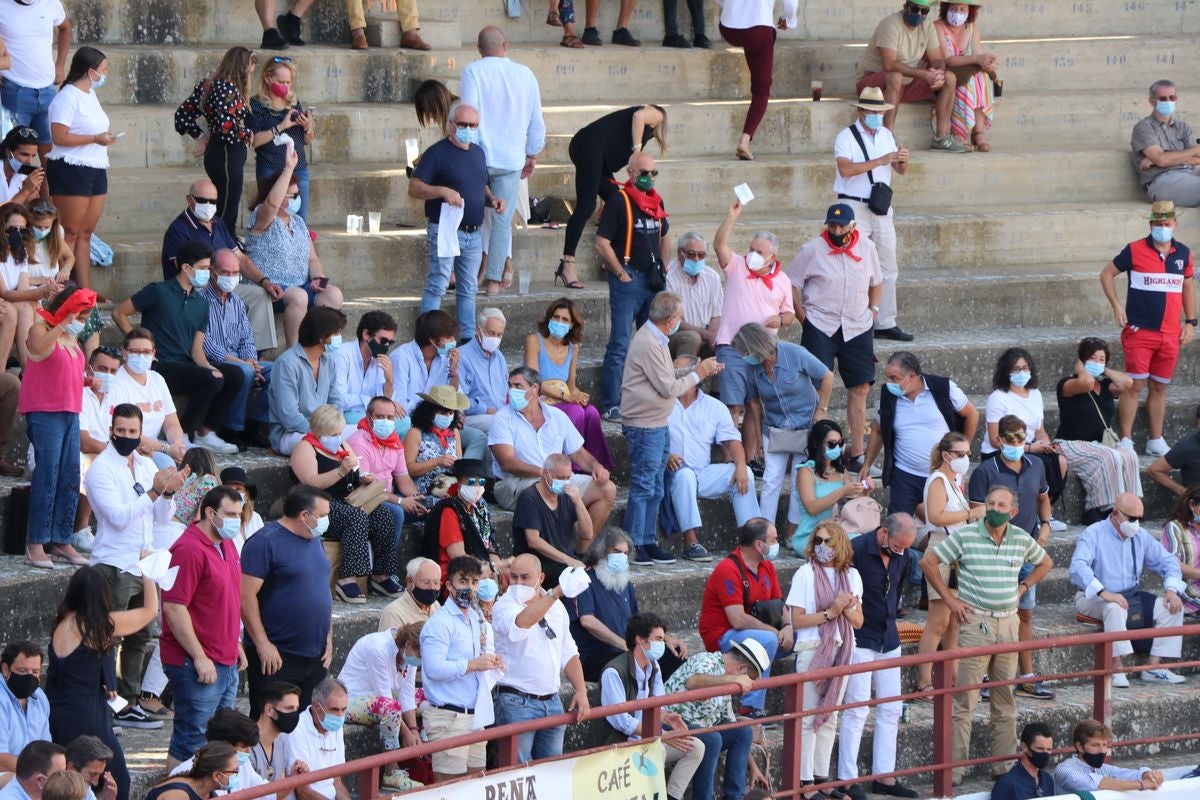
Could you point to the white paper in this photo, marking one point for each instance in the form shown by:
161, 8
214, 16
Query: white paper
448, 221
118, 704
573, 581
744, 195
485, 714
412, 149
157, 567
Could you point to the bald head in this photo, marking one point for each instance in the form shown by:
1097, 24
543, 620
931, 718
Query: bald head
202, 188
526, 570
225, 262
1129, 504
640, 162
491, 42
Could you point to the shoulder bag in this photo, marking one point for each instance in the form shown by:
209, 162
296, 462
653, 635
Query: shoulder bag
1109, 438
657, 275
769, 612
881, 194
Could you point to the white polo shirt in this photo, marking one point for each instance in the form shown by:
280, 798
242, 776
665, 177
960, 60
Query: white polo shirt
153, 398
355, 386
317, 750
695, 429
9, 189
370, 670
844, 146
919, 426
557, 435
533, 661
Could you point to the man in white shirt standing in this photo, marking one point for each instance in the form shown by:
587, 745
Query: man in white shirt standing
129, 496
512, 133
28, 31
94, 422
318, 740
365, 371
867, 155
533, 636
699, 287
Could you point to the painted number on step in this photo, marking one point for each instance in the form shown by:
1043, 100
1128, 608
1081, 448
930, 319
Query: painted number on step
1063, 62
666, 69
333, 72
615, 70
1114, 60
450, 13
564, 69
1135, 5
1165, 58
1081, 8
1014, 62
1035, 8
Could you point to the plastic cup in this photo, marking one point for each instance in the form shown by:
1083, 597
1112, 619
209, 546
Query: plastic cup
817, 88
350, 222
373, 219
412, 149
524, 279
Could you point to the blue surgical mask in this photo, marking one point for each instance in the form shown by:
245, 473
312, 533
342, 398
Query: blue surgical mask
15, 165
331, 443
96, 84
1019, 379
559, 485
616, 563
230, 528
75, 327
1161, 233
1094, 368
558, 329
693, 268
1165, 108
873, 121
895, 389
332, 722
383, 428
675, 328
1012, 452
321, 526
445, 349
443, 421
40, 234
914, 20
412, 661
517, 399
334, 343
105, 381
655, 650
773, 552
467, 136
752, 360
139, 363
833, 453
200, 278
293, 204
403, 426
243, 758
236, 778
487, 591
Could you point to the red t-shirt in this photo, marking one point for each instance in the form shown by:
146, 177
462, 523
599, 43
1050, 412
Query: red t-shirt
209, 584
724, 588
449, 532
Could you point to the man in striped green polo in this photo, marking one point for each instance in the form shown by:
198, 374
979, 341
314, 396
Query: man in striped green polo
989, 555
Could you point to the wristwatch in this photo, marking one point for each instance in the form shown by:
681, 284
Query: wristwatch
875, 309
1193, 322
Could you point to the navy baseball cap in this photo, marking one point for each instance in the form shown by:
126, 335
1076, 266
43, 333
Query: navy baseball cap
839, 213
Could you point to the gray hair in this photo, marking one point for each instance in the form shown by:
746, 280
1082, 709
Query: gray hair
905, 361
415, 564
326, 689
555, 460
85, 749
770, 237
690, 236
1160, 84
451, 122
530, 375
897, 522
755, 340
664, 306
607, 540
490, 313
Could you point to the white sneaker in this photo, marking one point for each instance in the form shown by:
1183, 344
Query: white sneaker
1162, 676
215, 443
1128, 444
1119, 681
1157, 447
1057, 526
83, 539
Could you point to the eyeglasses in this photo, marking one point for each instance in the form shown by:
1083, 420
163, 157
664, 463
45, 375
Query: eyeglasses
462, 125
960, 453
922, 10
202, 200
546, 629
887, 584
694, 255
476, 481
653, 173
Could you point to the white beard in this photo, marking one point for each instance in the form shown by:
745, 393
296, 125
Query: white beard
614, 583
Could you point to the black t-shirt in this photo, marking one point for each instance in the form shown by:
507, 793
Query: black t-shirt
646, 251
556, 526
613, 133
464, 171
1078, 420
1185, 457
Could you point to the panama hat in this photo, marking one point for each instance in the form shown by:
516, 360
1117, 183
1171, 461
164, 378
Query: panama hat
871, 99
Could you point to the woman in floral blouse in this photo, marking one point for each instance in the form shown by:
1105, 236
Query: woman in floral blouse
276, 117
223, 100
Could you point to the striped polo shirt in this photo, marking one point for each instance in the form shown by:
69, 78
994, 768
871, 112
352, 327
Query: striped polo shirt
987, 572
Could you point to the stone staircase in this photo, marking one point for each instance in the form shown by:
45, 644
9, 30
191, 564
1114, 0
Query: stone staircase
995, 249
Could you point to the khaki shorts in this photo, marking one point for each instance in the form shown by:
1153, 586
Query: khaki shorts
442, 723
936, 538
508, 489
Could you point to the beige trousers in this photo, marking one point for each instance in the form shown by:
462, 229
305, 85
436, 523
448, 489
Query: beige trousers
407, 9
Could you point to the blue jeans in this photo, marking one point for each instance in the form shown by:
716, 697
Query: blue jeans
531, 746
737, 743
466, 278
27, 106
648, 452
628, 305
505, 184
770, 643
55, 485
235, 420
195, 703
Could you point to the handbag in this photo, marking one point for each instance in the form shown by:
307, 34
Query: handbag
880, 200
1109, 438
786, 440
368, 496
769, 612
555, 391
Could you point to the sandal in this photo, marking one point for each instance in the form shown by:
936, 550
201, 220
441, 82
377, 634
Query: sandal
572, 41
744, 154
980, 143
506, 276
553, 20
926, 688
560, 276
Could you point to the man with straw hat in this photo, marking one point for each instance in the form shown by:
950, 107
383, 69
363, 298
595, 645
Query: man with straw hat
1159, 317
904, 58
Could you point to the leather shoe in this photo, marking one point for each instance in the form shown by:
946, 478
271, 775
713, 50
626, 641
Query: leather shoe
676, 40
623, 36
10, 470
358, 39
412, 40
856, 792
894, 333
702, 42
896, 789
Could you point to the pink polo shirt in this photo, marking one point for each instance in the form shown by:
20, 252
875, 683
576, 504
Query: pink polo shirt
747, 298
379, 461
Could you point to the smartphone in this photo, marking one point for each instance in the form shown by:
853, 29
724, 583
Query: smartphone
28, 169
118, 135
310, 110
323, 282
118, 704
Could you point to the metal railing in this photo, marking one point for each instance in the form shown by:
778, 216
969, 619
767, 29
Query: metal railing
367, 769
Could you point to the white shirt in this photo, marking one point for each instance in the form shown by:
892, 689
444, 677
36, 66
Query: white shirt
28, 32
153, 398
509, 101
248, 776
612, 692
370, 670
80, 111
96, 417
702, 296
125, 518
41, 267
695, 429
1030, 409
918, 426
557, 435
845, 146
803, 594
9, 189
10, 272
533, 662
744, 14
317, 750
354, 386
409, 375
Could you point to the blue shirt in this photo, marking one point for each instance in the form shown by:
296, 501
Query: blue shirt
465, 171
409, 375
20, 726
878, 631
1104, 562
1018, 784
294, 393
791, 399
186, 228
229, 331
294, 600
612, 608
448, 641
485, 377
1028, 484
1074, 775
14, 790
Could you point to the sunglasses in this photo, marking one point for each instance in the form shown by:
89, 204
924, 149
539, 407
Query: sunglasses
1014, 438
211, 200
462, 125
21, 230
476, 481
110, 351
281, 60
385, 342
837, 443
653, 173
44, 209
822, 540
922, 10
960, 453
546, 629
1130, 517
1166, 99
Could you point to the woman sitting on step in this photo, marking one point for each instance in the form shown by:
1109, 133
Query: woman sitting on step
1181, 535
434, 442
553, 350
16, 249
971, 115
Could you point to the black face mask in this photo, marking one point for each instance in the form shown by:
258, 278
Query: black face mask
125, 445
22, 686
1039, 760
287, 721
377, 348
838, 239
425, 597
1094, 760
16, 243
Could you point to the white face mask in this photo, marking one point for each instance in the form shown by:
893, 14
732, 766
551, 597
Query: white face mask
522, 594
227, 283
1129, 529
956, 18
490, 344
205, 211
755, 261
470, 493
960, 465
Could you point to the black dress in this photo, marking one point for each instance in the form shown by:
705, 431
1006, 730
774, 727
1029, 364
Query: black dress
158, 791
77, 686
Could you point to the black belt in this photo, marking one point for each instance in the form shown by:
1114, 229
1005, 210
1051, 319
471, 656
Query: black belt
469, 228
849, 197
510, 690
454, 708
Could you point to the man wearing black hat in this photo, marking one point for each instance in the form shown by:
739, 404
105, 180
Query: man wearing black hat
837, 281
461, 523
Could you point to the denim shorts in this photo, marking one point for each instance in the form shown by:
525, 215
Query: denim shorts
1028, 601
29, 107
74, 180
281, 304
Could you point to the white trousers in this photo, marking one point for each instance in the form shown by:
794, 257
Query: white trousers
712, 482
1114, 620
816, 746
886, 683
881, 231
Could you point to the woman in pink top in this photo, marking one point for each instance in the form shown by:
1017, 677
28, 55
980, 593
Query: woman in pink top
379, 446
51, 400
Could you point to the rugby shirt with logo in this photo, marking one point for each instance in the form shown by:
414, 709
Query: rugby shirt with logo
1155, 299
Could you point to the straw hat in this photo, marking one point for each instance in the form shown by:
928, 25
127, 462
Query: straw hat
447, 397
871, 99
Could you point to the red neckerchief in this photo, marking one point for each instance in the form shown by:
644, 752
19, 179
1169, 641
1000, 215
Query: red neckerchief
649, 202
847, 247
316, 443
392, 441
768, 279
445, 435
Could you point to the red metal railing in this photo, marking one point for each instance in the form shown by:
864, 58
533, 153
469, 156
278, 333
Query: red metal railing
942, 766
